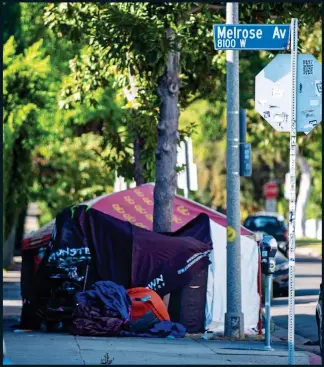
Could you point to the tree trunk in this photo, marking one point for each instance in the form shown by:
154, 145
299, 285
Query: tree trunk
303, 195
168, 136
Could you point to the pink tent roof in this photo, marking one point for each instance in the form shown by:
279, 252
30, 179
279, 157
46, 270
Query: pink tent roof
136, 206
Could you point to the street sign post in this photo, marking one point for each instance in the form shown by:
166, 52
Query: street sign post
286, 109
273, 93
234, 319
271, 206
270, 192
288, 95
292, 199
251, 36
232, 37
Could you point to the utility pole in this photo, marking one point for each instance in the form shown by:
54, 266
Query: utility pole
234, 319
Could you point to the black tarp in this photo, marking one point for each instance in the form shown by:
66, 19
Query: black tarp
135, 257
125, 254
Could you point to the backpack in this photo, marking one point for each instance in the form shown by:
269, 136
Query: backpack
146, 301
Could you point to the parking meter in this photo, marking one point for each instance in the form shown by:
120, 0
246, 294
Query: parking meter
268, 249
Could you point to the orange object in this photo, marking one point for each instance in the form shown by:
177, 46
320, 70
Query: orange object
144, 300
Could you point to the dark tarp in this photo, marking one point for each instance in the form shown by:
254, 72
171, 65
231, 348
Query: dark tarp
110, 242
125, 254
135, 257
165, 263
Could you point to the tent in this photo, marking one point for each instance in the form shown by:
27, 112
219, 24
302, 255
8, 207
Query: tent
136, 207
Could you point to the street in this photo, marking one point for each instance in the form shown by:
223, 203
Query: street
307, 282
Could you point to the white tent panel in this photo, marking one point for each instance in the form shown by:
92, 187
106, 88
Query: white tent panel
217, 281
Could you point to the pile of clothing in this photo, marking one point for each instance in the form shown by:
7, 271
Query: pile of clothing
108, 309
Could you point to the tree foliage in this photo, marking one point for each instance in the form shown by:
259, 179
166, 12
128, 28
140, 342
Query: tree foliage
140, 40
68, 80
130, 39
25, 94
36, 165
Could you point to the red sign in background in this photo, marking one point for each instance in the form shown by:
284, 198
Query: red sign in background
270, 191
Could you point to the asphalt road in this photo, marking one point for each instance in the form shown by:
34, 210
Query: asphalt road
307, 284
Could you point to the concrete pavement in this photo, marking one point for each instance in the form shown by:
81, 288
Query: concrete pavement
51, 349
36, 348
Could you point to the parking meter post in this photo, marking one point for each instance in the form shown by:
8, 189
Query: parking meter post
268, 248
268, 313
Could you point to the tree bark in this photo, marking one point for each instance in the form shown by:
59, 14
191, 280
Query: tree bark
303, 195
168, 136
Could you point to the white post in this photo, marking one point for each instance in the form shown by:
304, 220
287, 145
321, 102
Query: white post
292, 199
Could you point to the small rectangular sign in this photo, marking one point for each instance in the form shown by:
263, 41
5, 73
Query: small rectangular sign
251, 36
245, 160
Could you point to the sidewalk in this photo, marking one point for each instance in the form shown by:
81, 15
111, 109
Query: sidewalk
36, 348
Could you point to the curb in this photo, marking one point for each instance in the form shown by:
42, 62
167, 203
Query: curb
314, 359
280, 334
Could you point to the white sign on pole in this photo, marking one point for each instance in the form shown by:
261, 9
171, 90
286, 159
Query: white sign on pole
181, 160
193, 179
119, 184
192, 176
188, 178
273, 93
189, 149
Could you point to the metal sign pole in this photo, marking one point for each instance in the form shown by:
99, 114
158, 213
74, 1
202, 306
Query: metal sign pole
234, 326
292, 200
